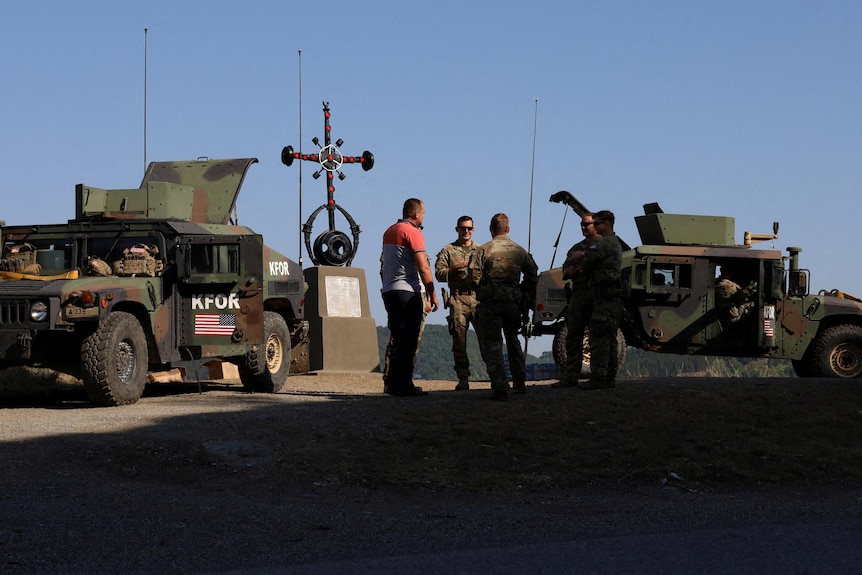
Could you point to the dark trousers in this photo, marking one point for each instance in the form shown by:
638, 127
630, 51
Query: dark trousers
404, 310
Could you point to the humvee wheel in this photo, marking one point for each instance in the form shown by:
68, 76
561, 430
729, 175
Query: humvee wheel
265, 368
114, 361
558, 349
837, 352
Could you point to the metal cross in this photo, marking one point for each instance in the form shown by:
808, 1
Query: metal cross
331, 247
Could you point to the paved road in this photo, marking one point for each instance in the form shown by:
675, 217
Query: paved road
821, 547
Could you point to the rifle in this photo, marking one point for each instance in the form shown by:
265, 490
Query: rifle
528, 302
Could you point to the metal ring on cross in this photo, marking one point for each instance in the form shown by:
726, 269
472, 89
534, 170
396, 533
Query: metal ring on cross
331, 248
330, 158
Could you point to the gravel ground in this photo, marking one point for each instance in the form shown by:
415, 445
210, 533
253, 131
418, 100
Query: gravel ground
81, 494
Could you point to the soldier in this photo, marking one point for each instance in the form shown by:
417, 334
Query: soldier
734, 302
501, 296
580, 304
404, 267
452, 267
600, 264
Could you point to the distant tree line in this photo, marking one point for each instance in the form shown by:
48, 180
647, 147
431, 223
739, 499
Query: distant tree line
435, 360
435, 354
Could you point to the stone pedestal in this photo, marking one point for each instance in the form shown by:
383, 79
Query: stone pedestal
342, 334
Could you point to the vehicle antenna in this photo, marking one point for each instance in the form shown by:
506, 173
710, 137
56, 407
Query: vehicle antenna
532, 174
145, 100
559, 235
526, 319
300, 164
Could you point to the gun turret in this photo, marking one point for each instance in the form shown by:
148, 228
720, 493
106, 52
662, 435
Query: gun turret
203, 191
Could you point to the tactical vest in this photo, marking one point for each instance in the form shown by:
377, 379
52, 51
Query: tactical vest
139, 260
19, 258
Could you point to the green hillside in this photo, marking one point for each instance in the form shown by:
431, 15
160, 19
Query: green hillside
435, 360
435, 354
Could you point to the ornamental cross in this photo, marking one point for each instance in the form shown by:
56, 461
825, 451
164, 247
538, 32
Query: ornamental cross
332, 247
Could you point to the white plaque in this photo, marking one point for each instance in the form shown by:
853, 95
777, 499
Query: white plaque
342, 297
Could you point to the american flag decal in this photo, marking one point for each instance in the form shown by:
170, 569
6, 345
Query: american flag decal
767, 328
215, 324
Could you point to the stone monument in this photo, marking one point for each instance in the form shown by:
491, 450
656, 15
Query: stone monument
342, 334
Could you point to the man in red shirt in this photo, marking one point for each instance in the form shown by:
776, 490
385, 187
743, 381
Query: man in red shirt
404, 268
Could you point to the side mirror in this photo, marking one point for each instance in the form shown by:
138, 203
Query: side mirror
798, 283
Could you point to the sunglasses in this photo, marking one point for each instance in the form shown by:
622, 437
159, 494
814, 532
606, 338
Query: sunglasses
466, 228
586, 224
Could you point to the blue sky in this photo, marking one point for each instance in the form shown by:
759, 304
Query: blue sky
748, 109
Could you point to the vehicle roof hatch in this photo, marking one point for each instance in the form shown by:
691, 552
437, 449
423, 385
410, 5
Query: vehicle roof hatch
216, 184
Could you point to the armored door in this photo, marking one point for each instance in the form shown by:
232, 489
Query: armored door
671, 297
220, 303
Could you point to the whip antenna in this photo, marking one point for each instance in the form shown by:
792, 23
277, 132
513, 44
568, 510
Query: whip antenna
532, 175
300, 152
559, 235
145, 100
527, 324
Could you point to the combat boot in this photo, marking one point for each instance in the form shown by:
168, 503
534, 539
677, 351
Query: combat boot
463, 385
519, 387
597, 383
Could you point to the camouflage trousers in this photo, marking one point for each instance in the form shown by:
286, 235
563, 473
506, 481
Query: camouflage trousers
494, 321
577, 318
604, 323
462, 312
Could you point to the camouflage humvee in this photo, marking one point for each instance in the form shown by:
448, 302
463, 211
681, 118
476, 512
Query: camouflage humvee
146, 278
673, 306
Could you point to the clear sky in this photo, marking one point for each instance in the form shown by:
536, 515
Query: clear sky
747, 108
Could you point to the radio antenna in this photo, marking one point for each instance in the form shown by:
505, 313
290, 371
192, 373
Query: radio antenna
145, 101
300, 153
527, 324
532, 175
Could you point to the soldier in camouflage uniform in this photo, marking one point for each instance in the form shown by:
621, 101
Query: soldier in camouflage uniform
580, 304
452, 267
601, 265
734, 302
502, 294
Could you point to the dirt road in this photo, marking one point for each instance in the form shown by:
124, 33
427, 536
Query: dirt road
190, 482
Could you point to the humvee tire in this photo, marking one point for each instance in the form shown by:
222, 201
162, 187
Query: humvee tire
114, 361
837, 352
265, 368
558, 349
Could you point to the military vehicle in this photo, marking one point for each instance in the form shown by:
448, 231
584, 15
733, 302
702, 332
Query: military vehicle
672, 305
147, 278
